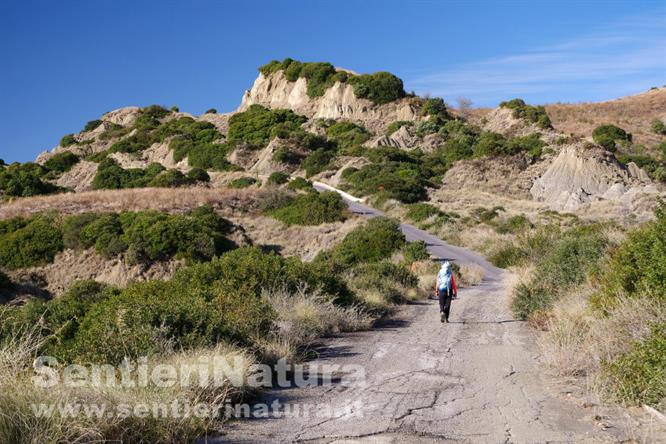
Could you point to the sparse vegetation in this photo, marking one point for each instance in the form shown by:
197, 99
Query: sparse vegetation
110, 175
532, 114
278, 178
395, 126
658, 127
91, 125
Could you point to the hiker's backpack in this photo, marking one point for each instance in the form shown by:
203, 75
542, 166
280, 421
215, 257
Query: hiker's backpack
444, 279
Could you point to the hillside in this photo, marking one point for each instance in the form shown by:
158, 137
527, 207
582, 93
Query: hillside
154, 232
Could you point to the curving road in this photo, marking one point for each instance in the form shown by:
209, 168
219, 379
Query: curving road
476, 379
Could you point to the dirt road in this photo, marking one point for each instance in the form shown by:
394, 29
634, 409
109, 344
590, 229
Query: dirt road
476, 379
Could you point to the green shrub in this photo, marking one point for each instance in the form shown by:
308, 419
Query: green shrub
210, 156
278, 178
242, 182
416, 251
508, 256
395, 126
320, 160
30, 242
658, 127
437, 110
638, 266
62, 162
149, 117
110, 175
114, 131
575, 255
23, 180
300, 183
320, 76
609, 135
380, 87
150, 235
418, 212
67, 140
91, 125
347, 135
198, 175
211, 111
384, 277
376, 240
394, 180
170, 179
312, 209
258, 125
532, 114
515, 224
639, 376
285, 155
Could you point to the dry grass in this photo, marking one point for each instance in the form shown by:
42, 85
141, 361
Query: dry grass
18, 395
162, 199
302, 318
578, 341
632, 113
470, 274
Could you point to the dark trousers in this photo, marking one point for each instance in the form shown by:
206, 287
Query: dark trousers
445, 297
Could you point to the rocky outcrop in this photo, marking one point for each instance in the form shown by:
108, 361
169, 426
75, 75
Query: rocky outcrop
578, 176
338, 102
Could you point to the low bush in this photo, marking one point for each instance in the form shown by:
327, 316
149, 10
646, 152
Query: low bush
379, 88
114, 131
67, 140
24, 180
62, 162
373, 242
415, 251
508, 255
639, 376
198, 175
532, 114
320, 75
211, 111
514, 224
609, 135
110, 175
394, 180
278, 178
419, 212
320, 160
210, 156
383, 277
658, 127
347, 135
638, 265
91, 125
258, 125
29, 242
150, 235
300, 183
312, 209
573, 256
437, 110
171, 179
242, 182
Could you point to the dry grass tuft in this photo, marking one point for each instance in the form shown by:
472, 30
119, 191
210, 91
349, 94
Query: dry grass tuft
470, 274
302, 318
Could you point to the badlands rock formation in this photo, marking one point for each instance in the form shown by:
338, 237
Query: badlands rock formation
338, 102
578, 176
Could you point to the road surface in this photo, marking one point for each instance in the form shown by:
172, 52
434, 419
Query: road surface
476, 379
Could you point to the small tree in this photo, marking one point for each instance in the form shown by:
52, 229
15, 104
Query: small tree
464, 106
211, 111
608, 135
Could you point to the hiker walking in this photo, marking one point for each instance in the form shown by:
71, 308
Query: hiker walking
446, 290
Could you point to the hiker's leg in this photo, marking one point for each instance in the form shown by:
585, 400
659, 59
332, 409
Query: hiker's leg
440, 296
448, 294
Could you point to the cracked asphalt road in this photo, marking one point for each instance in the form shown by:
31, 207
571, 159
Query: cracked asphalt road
476, 379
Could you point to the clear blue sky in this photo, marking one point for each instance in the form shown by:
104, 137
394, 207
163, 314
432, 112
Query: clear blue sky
67, 62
